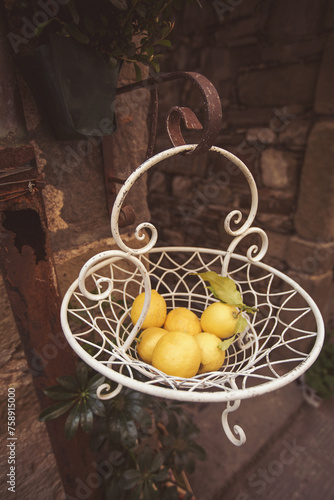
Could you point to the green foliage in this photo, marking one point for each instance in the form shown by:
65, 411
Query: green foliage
150, 436
77, 394
129, 30
321, 374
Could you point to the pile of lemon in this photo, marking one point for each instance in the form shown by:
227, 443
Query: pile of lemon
178, 342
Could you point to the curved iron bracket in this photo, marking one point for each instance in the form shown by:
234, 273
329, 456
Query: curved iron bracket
212, 110
176, 115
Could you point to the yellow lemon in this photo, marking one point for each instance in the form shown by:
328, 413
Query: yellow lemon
147, 341
177, 354
212, 357
220, 319
157, 311
182, 320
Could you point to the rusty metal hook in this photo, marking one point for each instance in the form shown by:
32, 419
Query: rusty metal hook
212, 109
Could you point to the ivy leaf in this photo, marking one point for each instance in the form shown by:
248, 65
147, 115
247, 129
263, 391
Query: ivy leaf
225, 344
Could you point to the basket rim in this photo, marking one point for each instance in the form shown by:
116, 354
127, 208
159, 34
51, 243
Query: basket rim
198, 395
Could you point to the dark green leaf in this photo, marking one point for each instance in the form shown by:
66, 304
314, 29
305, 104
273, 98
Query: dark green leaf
134, 494
119, 4
161, 476
132, 478
197, 450
138, 73
155, 65
41, 27
129, 434
75, 33
55, 411
86, 417
72, 421
97, 407
73, 10
166, 43
82, 374
150, 51
95, 382
157, 462
58, 392
69, 383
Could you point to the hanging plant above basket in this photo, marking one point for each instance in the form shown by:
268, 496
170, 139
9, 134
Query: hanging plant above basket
71, 52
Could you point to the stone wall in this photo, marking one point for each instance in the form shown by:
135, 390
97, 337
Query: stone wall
79, 226
272, 65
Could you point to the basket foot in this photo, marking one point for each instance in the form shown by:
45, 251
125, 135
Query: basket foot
239, 436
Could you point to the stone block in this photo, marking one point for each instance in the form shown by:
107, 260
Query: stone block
276, 202
275, 222
318, 287
310, 257
219, 60
173, 238
248, 117
279, 168
260, 135
245, 55
278, 243
315, 210
157, 182
281, 86
182, 187
324, 97
295, 134
241, 28
294, 20
293, 52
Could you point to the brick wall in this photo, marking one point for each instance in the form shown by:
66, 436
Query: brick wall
272, 65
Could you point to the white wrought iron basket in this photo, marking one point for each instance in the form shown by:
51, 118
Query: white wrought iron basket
282, 340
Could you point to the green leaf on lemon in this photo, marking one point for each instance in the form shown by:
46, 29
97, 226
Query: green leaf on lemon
225, 290
225, 344
241, 324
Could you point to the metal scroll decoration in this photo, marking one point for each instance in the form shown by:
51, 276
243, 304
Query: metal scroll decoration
283, 339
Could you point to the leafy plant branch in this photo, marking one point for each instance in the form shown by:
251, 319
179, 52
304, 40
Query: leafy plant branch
155, 439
